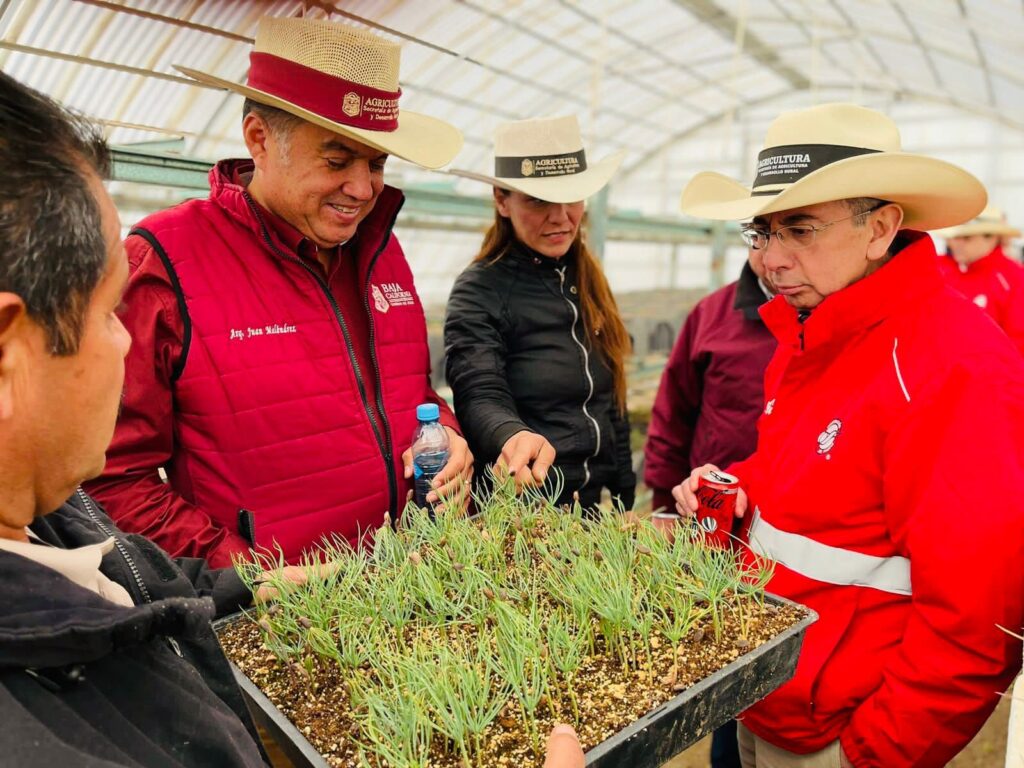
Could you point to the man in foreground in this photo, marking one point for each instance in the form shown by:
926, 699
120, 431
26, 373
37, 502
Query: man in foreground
887, 483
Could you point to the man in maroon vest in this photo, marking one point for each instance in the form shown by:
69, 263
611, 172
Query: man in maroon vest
280, 347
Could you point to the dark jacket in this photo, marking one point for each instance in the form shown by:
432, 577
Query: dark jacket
86, 682
712, 390
518, 357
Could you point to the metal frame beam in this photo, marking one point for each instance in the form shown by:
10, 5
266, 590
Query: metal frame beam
442, 208
707, 12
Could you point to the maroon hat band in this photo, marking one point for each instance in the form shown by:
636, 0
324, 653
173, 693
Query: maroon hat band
328, 96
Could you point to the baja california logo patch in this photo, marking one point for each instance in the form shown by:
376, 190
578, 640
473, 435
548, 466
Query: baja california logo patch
379, 300
396, 295
828, 438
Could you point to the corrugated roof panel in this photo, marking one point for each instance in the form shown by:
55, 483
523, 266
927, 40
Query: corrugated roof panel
651, 69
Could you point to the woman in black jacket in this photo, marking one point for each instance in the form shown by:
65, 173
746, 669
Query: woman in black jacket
535, 345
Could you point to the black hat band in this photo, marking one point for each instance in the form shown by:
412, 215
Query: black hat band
789, 164
540, 166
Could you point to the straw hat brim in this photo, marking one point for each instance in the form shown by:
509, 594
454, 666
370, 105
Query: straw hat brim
570, 188
932, 193
423, 140
978, 228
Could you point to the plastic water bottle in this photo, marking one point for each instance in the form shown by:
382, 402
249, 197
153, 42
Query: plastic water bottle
429, 451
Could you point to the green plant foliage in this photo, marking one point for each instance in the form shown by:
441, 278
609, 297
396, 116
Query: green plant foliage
444, 624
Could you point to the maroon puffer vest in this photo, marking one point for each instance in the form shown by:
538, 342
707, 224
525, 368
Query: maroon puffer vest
270, 416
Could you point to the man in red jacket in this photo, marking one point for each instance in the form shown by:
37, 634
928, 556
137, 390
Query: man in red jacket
279, 345
977, 267
888, 478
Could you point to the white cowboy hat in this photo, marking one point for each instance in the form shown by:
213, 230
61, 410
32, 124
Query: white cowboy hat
544, 158
991, 221
343, 79
837, 152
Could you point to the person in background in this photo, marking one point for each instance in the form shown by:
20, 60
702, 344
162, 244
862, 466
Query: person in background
712, 389
977, 267
708, 402
280, 349
536, 349
888, 479
107, 654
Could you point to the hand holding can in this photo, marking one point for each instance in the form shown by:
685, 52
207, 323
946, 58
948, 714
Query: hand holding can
685, 494
716, 493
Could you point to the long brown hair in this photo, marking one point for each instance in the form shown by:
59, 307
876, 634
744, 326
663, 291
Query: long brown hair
601, 319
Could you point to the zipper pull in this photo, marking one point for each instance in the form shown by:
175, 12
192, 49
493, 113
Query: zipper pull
175, 647
43, 680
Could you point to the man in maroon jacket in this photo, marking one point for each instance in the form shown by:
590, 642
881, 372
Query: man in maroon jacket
279, 345
711, 393
712, 390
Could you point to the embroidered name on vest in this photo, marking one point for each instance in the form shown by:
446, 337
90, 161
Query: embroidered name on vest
240, 334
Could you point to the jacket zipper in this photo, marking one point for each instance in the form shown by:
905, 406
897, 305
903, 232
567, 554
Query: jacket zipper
385, 448
91, 511
586, 369
392, 483
143, 591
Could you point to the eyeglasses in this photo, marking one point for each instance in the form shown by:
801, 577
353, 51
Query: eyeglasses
795, 236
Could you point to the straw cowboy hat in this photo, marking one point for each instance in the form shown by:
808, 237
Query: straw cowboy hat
544, 158
343, 79
836, 152
991, 221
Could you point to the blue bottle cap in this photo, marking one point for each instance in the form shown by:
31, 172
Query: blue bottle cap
428, 412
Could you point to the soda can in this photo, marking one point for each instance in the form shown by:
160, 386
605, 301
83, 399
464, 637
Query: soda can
716, 499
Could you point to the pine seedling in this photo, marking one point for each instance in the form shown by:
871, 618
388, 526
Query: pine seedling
715, 580
521, 665
567, 646
393, 726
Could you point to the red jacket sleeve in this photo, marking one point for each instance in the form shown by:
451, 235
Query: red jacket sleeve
130, 487
674, 417
952, 477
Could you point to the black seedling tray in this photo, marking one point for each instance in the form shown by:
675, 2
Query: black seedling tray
649, 742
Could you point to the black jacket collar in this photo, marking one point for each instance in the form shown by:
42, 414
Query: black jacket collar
522, 254
48, 621
749, 294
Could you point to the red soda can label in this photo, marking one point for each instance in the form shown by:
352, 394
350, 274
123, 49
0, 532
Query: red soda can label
716, 510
